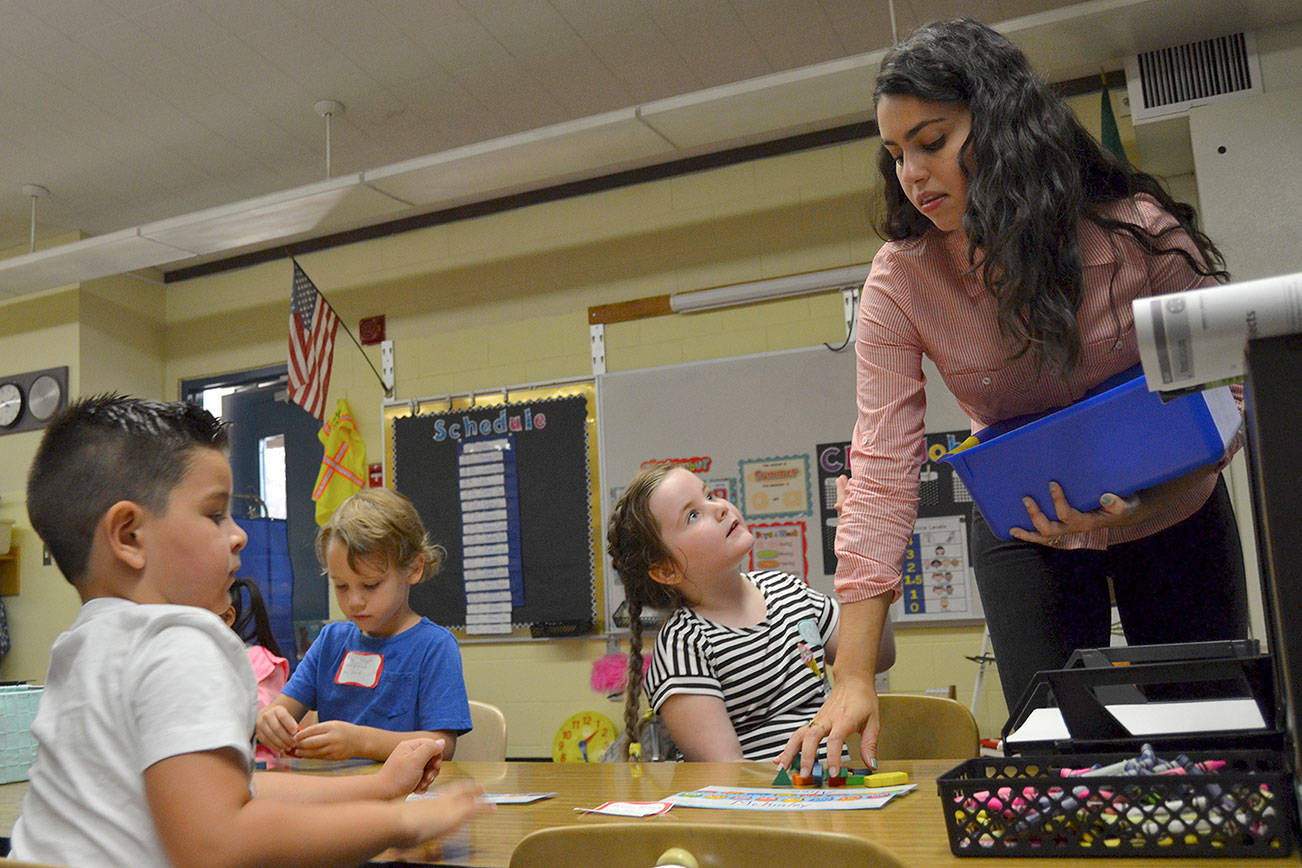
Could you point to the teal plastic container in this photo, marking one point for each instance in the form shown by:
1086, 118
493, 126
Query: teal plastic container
17, 744
1122, 439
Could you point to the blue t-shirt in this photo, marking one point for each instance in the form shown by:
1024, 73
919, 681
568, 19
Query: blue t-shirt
407, 682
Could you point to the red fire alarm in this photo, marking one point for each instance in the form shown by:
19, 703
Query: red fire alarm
375, 475
371, 330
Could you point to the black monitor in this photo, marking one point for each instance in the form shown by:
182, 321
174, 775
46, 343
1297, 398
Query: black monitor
1273, 415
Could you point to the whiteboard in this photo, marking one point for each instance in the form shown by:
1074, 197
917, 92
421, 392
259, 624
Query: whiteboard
731, 413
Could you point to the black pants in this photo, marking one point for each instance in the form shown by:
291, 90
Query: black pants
1183, 584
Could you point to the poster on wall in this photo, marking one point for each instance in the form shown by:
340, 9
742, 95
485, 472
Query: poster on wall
772, 487
936, 573
938, 583
780, 546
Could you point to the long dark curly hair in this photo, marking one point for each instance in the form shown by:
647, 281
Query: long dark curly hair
1036, 173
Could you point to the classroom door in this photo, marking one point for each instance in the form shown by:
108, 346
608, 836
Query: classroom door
255, 415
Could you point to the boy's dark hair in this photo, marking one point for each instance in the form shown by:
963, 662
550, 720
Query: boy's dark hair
104, 449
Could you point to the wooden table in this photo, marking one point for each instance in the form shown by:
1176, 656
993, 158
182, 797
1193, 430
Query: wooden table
912, 827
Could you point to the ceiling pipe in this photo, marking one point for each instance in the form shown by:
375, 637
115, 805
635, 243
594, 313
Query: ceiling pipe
328, 108
34, 192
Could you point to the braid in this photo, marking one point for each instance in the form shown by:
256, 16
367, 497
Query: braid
635, 547
633, 688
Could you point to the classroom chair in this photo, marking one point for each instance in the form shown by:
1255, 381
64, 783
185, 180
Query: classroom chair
487, 741
693, 845
919, 726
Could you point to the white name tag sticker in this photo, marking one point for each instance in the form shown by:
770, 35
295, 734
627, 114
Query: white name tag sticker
360, 668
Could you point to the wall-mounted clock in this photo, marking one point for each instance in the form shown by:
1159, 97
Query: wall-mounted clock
583, 738
29, 400
11, 404
44, 397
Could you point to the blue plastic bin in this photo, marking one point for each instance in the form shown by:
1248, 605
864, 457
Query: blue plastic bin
1120, 440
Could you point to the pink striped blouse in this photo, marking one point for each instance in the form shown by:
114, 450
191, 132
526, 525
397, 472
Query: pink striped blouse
919, 299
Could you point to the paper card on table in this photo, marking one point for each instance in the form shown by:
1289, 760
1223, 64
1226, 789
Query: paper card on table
785, 799
514, 798
492, 798
628, 809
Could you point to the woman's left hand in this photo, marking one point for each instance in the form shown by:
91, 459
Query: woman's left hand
1113, 511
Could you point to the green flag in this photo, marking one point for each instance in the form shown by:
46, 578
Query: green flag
1111, 138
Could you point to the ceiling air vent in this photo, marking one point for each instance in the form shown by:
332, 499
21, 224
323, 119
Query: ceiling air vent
1166, 82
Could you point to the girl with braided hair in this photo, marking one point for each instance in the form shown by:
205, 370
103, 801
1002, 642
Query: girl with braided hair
728, 674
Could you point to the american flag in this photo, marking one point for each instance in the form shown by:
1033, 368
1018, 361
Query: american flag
312, 326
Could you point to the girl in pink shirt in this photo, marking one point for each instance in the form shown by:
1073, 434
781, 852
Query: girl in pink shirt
1015, 245
250, 622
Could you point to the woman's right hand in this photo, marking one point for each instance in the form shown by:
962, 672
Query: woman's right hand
850, 707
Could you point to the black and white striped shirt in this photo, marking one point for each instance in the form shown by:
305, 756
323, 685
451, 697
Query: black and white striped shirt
757, 671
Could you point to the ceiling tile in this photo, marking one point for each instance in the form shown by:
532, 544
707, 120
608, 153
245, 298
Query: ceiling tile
654, 70
790, 33
71, 17
710, 39
180, 27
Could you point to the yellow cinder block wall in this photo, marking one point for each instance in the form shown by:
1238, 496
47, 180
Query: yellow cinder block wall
41, 331
108, 333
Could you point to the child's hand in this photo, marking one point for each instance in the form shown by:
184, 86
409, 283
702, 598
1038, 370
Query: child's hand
412, 767
329, 740
277, 728
425, 819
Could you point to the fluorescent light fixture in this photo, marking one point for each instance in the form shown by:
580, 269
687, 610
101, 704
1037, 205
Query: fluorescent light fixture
826, 94
87, 259
320, 208
851, 276
581, 148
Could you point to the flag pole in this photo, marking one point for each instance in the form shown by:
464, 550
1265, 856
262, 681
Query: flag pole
388, 389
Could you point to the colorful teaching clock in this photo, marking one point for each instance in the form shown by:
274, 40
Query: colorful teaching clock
583, 738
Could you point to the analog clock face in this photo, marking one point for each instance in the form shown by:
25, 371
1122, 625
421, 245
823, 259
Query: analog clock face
11, 404
44, 397
583, 738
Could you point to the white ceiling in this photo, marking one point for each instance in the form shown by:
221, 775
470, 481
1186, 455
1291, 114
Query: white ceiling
181, 131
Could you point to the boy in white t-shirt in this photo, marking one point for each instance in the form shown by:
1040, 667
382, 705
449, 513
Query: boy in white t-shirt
144, 729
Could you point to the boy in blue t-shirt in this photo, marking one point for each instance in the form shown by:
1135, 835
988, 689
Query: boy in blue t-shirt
387, 674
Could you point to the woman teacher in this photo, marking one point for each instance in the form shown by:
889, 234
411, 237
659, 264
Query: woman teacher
1015, 245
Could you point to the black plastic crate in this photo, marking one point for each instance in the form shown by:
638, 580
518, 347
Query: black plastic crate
1022, 806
